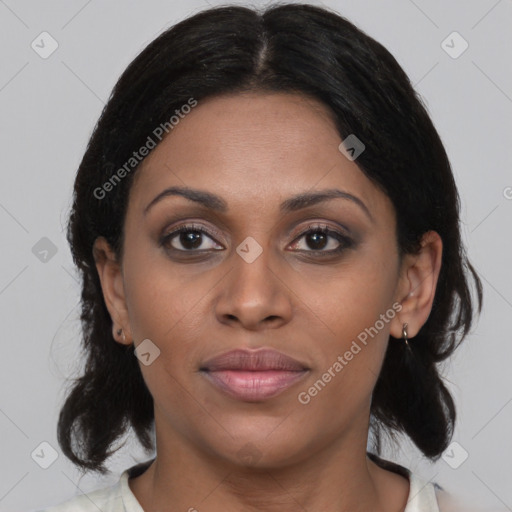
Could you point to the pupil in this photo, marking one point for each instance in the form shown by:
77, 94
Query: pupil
190, 237
316, 236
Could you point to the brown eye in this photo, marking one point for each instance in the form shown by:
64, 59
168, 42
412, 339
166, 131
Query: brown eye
191, 239
323, 240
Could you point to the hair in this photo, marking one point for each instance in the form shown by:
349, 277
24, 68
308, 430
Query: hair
288, 48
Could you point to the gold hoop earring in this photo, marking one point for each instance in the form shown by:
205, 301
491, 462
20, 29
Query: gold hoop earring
404, 334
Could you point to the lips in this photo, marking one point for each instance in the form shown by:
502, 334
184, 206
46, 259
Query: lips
253, 375
261, 360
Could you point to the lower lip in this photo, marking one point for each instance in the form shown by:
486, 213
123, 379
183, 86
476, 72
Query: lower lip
253, 386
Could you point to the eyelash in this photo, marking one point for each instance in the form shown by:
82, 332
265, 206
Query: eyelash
345, 242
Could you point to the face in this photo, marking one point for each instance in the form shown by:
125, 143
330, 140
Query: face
254, 270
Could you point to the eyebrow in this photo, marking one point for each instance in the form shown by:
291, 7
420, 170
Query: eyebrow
292, 204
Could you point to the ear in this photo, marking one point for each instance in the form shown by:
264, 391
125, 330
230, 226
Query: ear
417, 285
111, 278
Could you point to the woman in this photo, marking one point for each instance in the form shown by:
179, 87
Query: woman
267, 227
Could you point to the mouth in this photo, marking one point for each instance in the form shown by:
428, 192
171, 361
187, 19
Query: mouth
253, 376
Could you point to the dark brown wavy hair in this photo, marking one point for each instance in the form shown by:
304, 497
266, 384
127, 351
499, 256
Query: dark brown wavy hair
294, 48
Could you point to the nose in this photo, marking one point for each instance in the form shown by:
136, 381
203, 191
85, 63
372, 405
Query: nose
255, 295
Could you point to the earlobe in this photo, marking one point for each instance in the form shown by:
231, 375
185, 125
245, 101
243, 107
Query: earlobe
417, 287
111, 278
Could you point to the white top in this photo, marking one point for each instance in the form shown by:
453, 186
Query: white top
120, 498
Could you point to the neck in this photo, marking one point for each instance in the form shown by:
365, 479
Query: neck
340, 478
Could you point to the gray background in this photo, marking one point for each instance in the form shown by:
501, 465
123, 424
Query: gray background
48, 108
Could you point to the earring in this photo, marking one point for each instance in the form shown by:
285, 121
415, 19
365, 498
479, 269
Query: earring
119, 331
404, 335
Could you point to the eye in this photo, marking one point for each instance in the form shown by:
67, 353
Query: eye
190, 237
319, 237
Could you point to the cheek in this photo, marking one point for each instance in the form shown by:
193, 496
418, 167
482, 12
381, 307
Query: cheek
357, 306
162, 298
351, 360
162, 308
353, 297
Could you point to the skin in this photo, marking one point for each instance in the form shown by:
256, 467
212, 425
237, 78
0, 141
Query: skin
255, 150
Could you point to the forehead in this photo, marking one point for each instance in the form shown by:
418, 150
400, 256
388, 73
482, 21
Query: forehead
253, 146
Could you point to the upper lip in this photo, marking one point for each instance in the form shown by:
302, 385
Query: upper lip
251, 360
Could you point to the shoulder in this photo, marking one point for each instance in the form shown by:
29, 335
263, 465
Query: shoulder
107, 499
422, 495
446, 501
114, 498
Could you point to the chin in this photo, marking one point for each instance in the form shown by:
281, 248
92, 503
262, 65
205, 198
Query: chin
263, 451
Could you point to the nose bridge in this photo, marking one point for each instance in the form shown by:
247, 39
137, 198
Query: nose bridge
253, 292
252, 276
